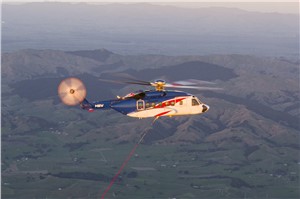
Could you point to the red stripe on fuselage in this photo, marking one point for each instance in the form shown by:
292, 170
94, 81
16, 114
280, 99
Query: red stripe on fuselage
161, 114
180, 99
163, 104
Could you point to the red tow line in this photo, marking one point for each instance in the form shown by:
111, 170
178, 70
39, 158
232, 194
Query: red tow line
122, 167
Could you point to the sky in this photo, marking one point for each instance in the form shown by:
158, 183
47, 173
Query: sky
290, 6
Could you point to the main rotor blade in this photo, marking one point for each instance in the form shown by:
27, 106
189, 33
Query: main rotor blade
190, 82
125, 77
140, 83
127, 82
192, 87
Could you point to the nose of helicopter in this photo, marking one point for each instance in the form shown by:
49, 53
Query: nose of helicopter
205, 108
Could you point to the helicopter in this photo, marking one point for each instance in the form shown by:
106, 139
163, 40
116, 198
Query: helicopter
154, 103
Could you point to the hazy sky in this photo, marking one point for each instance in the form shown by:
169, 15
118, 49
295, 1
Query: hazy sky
290, 6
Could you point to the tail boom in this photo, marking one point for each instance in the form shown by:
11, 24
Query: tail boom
91, 106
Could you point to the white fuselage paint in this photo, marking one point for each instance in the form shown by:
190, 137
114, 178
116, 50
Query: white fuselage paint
184, 107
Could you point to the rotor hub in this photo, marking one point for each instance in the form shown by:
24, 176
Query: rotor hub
160, 85
72, 91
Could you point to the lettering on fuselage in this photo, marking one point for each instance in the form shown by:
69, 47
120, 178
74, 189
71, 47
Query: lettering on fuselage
99, 105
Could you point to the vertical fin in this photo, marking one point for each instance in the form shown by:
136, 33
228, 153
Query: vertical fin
85, 104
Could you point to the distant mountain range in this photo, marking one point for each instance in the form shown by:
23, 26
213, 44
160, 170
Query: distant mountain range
148, 29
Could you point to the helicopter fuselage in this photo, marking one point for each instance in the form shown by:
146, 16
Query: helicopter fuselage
151, 103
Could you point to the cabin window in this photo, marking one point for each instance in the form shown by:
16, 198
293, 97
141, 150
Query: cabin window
147, 105
173, 103
181, 103
140, 105
153, 104
167, 103
195, 102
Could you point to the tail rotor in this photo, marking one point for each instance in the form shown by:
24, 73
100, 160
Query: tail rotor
71, 91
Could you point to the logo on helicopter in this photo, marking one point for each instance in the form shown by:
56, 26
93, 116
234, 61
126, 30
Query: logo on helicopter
99, 105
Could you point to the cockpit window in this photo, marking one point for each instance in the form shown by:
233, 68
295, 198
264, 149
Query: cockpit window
195, 102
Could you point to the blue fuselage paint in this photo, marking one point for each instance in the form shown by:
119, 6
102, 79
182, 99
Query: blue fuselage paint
129, 104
